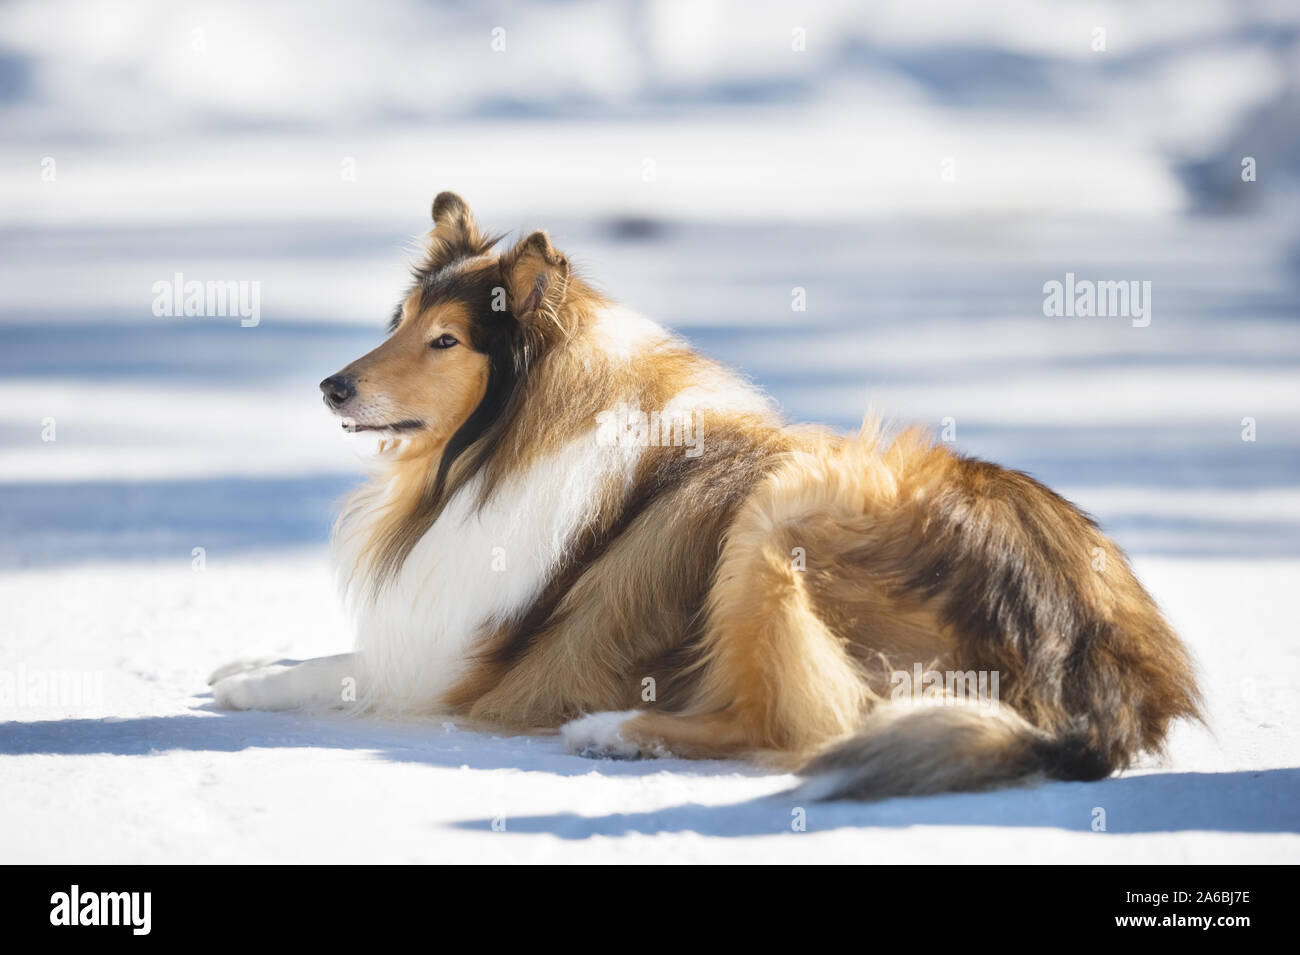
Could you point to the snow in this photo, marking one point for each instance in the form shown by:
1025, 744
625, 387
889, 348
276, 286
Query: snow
179, 519
151, 773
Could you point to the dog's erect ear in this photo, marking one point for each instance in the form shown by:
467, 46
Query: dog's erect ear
537, 279
451, 212
455, 234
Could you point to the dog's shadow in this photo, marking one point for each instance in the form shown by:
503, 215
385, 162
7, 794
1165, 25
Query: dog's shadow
431, 742
1259, 801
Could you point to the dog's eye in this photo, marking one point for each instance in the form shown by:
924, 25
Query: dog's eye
443, 341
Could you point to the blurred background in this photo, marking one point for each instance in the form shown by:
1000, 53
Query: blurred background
912, 173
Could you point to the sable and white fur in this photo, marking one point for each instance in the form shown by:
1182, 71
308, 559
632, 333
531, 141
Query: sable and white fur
749, 593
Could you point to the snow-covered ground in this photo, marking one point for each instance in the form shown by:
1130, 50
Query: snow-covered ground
149, 773
924, 299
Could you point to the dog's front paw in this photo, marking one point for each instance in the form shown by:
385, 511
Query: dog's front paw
600, 736
237, 691
241, 666
259, 688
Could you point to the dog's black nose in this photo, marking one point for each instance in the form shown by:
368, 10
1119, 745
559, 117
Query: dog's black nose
337, 389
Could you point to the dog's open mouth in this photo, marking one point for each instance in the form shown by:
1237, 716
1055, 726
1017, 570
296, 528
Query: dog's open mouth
355, 427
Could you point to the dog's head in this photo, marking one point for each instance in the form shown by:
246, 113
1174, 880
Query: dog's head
457, 340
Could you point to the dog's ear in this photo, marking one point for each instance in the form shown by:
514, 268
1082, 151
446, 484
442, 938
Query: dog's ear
451, 212
537, 279
455, 233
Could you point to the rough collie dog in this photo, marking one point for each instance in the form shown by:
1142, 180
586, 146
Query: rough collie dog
580, 523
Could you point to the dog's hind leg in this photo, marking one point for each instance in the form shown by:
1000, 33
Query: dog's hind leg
776, 682
320, 683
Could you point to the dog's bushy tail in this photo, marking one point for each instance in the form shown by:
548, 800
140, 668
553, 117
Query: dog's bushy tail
1091, 674
916, 750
